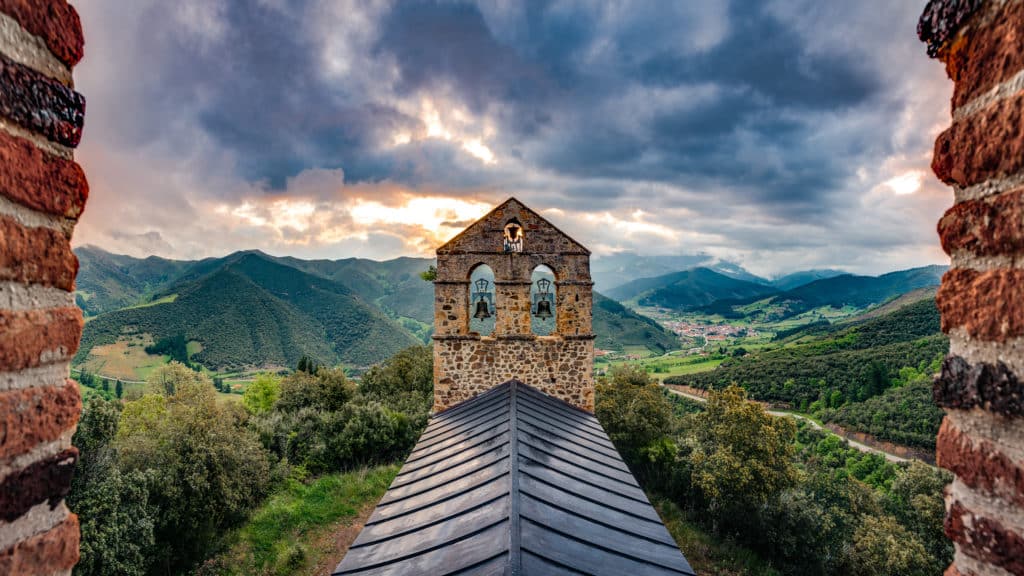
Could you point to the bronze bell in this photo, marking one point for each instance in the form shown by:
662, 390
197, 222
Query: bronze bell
544, 309
482, 310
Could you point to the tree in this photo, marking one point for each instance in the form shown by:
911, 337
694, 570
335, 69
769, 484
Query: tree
166, 379
742, 456
115, 517
261, 395
430, 274
204, 469
638, 419
119, 389
882, 546
308, 365
915, 498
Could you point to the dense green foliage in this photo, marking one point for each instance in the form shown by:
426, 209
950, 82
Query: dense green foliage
253, 311
617, 327
174, 346
904, 415
838, 375
799, 498
164, 478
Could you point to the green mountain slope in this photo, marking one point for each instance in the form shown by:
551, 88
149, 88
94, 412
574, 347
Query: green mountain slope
617, 327
111, 281
827, 367
836, 292
688, 289
862, 291
253, 311
797, 279
267, 320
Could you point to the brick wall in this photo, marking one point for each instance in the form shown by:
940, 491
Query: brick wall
466, 363
981, 155
42, 193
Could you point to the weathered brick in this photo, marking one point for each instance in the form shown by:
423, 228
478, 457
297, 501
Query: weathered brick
985, 539
40, 103
988, 144
988, 55
30, 338
47, 553
40, 180
36, 255
979, 464
55, 21
986, 227
989, 305
36, 415
48, 481
993, 387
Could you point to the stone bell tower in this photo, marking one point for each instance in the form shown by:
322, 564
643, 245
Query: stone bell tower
528, 318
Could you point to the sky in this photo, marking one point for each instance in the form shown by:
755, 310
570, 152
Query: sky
780, 135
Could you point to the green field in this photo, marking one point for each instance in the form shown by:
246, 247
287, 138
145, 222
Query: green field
671, 364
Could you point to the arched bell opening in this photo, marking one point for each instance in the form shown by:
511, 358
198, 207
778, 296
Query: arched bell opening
482, 309
543, 312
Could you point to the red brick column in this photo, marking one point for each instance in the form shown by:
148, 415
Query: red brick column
42, 193
981, 155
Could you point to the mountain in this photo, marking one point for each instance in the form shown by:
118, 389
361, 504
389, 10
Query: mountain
688, 289
610, 272
394, 285
861, 291
110, 281
797, 279
617, 327
253, 309
249, 310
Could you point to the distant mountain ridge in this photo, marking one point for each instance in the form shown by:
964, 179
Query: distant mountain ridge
688, 289
797, 279
251, 309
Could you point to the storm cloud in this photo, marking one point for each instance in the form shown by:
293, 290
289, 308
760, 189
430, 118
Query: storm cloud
781, 135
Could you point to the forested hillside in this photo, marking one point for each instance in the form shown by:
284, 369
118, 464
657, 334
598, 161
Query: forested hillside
617, 327
847, 373
108, 281
257, 312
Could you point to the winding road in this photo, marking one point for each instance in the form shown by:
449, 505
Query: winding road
859, 446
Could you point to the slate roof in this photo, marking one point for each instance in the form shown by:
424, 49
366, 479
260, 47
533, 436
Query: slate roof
514, 482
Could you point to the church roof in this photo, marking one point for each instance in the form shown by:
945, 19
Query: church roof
514, 482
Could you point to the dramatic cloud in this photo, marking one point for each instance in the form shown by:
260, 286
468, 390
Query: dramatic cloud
780, 135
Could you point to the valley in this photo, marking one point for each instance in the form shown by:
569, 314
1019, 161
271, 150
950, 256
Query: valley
836, 347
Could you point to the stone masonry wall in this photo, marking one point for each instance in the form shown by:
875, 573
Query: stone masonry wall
466, 363
981, 155
42, 193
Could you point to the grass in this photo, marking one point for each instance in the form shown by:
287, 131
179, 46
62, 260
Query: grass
165, 300
672, 364
707, 555
293, 532
125, 359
